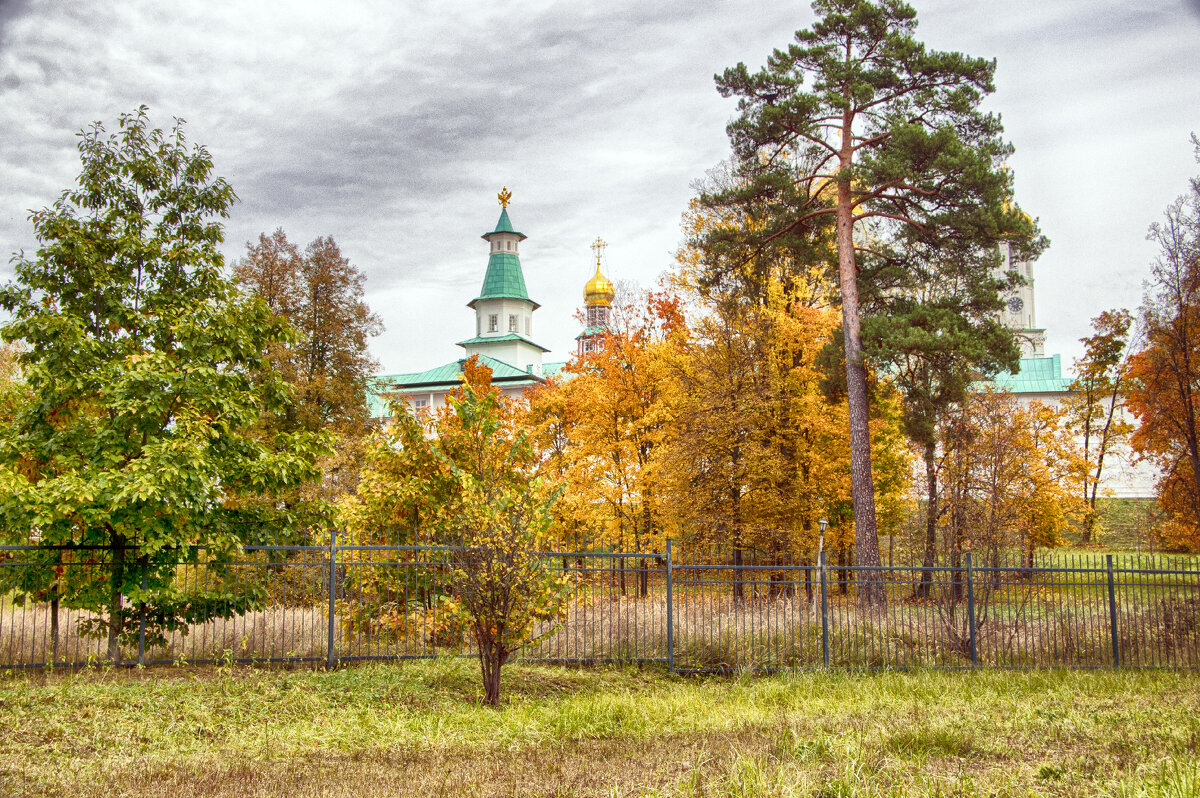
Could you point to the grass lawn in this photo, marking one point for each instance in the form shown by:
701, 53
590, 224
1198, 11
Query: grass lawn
417, 729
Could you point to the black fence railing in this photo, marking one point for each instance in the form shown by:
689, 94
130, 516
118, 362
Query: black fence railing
694, 611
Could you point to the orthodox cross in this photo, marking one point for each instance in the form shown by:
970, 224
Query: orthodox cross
598, 247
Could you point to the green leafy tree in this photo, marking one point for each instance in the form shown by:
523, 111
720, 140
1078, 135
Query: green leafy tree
133, 450
1096, 399
933, 327
886, 133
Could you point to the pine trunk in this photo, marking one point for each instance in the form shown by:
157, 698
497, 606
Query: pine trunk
871, 592
931, 519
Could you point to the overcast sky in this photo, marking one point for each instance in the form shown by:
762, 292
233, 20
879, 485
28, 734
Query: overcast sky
392, 125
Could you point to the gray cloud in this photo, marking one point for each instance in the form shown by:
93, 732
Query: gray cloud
392, 128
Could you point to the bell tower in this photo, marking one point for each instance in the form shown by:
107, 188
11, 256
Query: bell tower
503, 309
1018, 313
598, 296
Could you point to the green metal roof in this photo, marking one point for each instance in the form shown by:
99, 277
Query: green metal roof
487, 339
448, 375
1035, 375
503, 225
555, 370
503, 279
593, 329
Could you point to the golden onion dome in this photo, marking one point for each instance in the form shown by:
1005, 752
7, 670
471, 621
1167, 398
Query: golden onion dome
599, 290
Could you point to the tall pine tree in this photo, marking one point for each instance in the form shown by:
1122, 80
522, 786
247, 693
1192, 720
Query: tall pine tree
885, 133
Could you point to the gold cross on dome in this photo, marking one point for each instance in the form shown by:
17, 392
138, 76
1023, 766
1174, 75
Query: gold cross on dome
504, 196
598, 247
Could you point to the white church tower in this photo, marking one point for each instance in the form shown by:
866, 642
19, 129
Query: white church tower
503, 309
1018, 313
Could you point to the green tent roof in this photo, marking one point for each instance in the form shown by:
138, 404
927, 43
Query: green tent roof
503, 225
1035, 375
503, 279
593, 329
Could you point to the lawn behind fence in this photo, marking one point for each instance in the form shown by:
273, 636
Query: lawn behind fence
417, 729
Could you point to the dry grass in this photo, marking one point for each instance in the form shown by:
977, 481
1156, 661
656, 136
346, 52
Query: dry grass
418, 729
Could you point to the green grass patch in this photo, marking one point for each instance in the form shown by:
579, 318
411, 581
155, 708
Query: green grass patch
418, 729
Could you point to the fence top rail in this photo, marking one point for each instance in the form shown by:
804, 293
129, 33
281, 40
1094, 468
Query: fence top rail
1123, 564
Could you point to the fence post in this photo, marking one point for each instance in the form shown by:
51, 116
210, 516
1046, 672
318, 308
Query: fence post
670, 612
329, 652
142, 620
824, 612
971, 610
1112, 614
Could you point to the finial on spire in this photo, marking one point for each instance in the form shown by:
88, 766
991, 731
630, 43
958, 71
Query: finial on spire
598, 247
504, 196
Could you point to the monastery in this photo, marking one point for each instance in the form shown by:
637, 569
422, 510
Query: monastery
503, 337
504, 342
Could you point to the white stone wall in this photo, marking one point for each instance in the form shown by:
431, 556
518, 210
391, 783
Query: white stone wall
1123, 477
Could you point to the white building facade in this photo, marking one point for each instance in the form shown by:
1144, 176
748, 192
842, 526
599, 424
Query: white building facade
1040, 379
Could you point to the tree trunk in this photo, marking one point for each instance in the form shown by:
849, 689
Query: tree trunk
872, 592
956, 565
143, 611
491, 660
116, 614
54, 603
54, 627
931, 519
739, 588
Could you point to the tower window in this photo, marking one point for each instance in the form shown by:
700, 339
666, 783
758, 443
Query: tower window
508, 245
528, 324
512, 324
493, 322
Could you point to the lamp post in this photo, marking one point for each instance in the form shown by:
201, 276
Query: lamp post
823, 524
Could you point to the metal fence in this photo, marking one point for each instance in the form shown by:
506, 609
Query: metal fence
693, 611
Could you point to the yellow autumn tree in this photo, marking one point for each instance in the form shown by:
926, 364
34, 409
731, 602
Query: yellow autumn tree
601, 429
469, 480
759, 451
1010, 471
